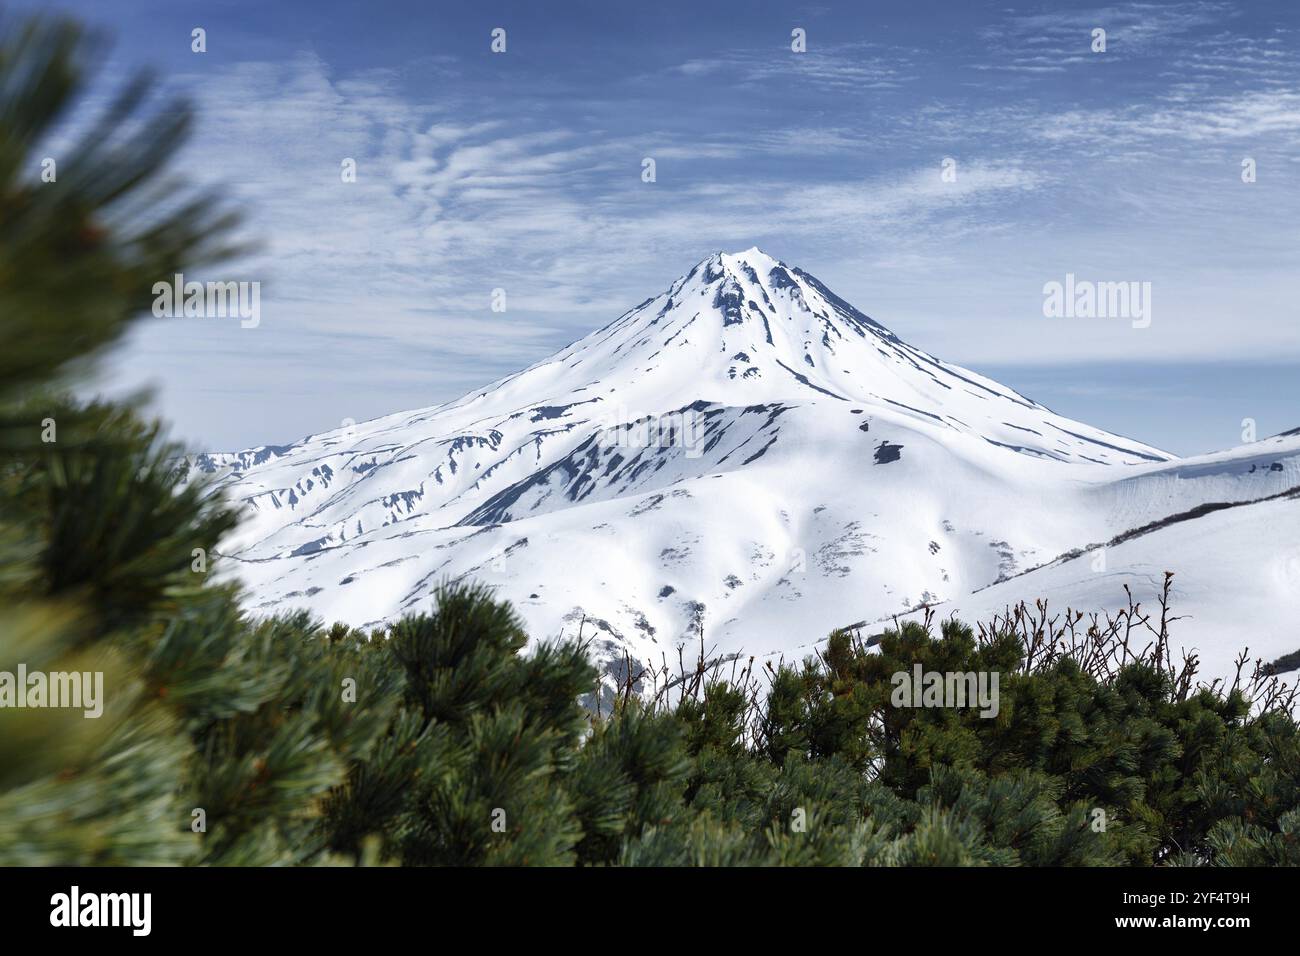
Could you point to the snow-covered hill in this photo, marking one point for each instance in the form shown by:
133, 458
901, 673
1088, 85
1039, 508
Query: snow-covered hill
1227, 524
1237, 580
744, 453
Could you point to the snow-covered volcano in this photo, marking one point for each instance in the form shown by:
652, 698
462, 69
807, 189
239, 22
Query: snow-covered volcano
744, 454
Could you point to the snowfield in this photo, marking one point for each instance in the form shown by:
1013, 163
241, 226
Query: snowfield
748, 455
1237, 582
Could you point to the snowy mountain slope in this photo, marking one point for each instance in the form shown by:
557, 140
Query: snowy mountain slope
744, 453
1246, 473
1237, 581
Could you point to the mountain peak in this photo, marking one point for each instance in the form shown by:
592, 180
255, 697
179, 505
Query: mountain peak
760, 293
747, 329
743, 262
753, 257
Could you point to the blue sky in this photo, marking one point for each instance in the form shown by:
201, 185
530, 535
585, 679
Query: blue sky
522, 171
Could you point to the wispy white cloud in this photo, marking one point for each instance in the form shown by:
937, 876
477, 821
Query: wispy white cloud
837, 66
1056, 40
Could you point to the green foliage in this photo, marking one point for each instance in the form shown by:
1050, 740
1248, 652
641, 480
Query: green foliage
80, 254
